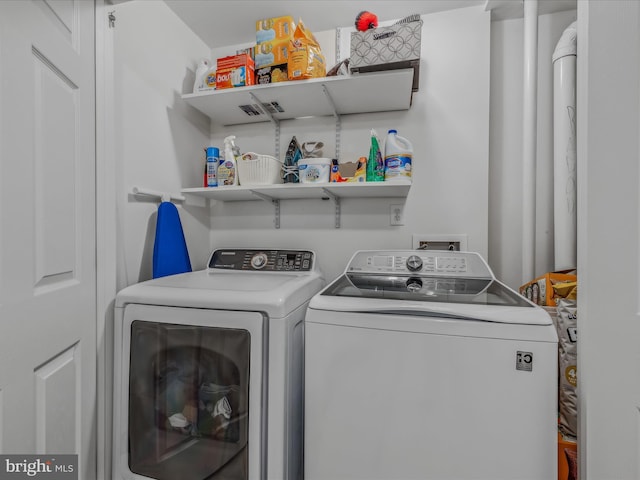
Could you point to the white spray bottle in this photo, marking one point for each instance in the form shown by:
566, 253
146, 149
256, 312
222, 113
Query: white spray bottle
228, 170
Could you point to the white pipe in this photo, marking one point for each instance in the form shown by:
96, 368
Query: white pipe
529, 138
564, 149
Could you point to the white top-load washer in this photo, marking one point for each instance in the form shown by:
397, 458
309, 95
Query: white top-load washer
208, 372
421, 365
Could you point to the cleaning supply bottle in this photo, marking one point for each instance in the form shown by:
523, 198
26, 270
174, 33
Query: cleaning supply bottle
200, 82
398, 153
228, 170
213, 158
375, 164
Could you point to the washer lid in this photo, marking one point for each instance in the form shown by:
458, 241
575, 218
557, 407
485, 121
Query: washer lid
444, 297
420, 288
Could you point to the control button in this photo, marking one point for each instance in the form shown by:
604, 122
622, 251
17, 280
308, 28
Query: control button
414, 263
259, 260
414, 285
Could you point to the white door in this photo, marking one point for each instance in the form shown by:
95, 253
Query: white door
608, 239
47, 230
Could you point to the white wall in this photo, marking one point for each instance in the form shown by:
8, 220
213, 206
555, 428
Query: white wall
159, 139
465, 124
505, 164
448, 125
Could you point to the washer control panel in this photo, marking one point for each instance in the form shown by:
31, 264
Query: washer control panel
440, 263
262, 260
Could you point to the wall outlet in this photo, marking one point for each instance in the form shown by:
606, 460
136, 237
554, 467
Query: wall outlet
396, 214
426, 241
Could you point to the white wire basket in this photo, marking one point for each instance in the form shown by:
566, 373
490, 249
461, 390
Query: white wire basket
257, 169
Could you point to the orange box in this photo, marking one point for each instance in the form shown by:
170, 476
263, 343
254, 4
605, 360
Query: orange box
567, 459
275, 52
540, 291
235, 71
274, 28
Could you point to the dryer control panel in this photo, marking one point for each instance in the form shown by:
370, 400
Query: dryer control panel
262, 260
420, 262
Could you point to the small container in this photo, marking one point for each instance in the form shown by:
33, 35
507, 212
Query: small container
256, 169
314, 170
213, 158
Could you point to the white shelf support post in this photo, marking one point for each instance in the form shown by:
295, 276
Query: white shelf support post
336, 201
338, 120
274, 201
276, 123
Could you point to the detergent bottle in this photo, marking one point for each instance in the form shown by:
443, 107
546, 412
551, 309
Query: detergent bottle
228, 169
398, 153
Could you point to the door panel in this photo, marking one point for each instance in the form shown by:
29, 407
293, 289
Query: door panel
58, 384
47, 229
55, 167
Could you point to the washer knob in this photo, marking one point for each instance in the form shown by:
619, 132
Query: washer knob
414, 263
259, 260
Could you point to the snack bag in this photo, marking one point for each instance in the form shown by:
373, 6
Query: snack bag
305, 56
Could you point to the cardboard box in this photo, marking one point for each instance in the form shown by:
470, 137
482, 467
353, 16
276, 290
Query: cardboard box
387, 48
350, 172
271, 74
540, 290
274, 28
235, 71
275, 52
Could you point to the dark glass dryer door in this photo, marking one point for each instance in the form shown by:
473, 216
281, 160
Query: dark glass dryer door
193, 393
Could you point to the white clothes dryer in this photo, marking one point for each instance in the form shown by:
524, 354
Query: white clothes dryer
208, 372
421, 365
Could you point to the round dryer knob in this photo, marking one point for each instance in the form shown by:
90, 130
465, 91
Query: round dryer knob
414, 263
259, 260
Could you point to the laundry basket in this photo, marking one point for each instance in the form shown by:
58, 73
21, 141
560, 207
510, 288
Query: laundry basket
257, 169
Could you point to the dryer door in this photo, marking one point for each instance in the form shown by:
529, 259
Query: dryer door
189, 397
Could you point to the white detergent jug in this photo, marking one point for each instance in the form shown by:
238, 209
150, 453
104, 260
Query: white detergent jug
398, 153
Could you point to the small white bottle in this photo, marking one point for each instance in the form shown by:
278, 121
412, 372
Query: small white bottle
200, 82
227, 170
398, 153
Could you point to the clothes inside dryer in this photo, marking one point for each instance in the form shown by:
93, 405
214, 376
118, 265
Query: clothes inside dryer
188, 387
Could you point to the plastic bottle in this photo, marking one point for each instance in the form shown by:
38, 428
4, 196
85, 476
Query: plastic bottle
398, 154
213, 158
375, 164
200, 82
227, 170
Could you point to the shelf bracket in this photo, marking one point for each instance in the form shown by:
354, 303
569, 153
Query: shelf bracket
338, 119
274, 201
336, 201
275, 121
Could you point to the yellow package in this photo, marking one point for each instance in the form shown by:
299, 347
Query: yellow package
305, 55
275, 52
274, 28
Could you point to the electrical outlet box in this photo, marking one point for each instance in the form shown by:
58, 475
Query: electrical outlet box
427, 241
396, 214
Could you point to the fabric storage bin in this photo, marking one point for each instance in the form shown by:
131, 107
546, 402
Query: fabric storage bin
387, 48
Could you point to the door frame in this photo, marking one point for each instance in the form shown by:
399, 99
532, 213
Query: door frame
106, 227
